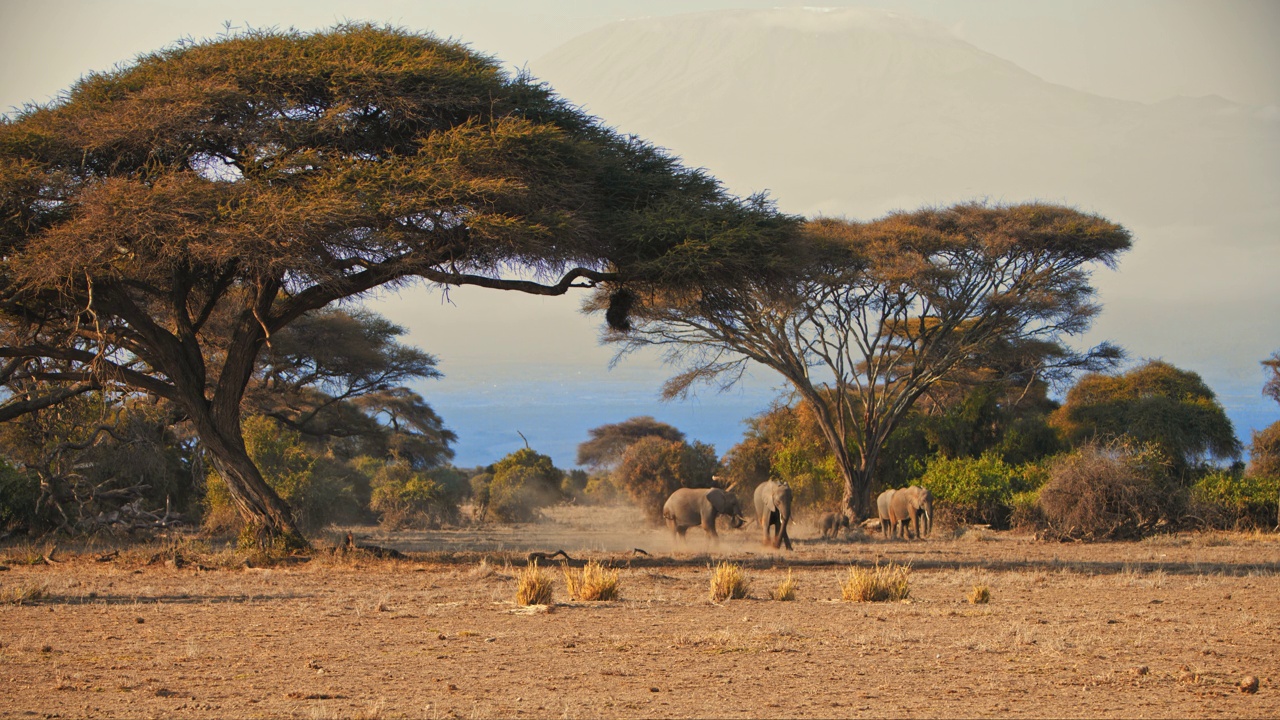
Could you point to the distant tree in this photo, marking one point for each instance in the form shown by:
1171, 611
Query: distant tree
885, 310
338, 377
608, 442
1271, 388
653, 468
161, 223
1154, 403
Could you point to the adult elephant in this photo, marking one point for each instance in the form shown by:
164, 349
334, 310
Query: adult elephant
882, 509
773, 511
912, 505
691, 507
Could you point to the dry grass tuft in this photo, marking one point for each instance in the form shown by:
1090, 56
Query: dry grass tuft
979, 595
533, 587
728, 582
20, 594
592, 582
786, 589
878, 584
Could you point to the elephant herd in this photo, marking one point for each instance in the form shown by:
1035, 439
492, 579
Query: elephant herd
900, 511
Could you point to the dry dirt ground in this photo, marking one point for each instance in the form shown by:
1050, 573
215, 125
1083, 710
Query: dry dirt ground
1160, 628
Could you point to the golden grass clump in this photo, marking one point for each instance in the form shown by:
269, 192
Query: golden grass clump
728, 582
979, 595
786, 589
533, 587
20, 594
592, 582
878, 584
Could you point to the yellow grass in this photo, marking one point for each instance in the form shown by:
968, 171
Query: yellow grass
533, 587
786, 589
728, 582
979, 595
592, 582
878, 584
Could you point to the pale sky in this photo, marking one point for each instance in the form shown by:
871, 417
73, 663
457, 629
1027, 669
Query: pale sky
1144, 50
499, 345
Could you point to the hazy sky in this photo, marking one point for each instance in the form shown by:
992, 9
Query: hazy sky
1143, 50
1134, 49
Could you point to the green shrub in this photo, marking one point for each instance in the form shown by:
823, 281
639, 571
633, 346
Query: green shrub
600, 489
978, 490
320, 490
1231, 499
523, 483
407, 498
19, 493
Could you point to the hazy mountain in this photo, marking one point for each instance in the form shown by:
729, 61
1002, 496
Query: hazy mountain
857, 112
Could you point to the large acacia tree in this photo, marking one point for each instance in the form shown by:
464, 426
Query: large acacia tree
883, 311
160, 222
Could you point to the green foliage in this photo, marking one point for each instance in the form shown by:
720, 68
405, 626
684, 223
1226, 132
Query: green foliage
101, 457
653, 468
785, 443
321, 490
574, 483
1154, 403
408, 498
1233, 499
601, 489
523, 482
19, 493
979, 490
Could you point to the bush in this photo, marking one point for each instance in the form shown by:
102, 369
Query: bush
600, 489
979, 490
320, 490
653, 468
407, 498
19, 493
1107, 492
523, 483
1231, 499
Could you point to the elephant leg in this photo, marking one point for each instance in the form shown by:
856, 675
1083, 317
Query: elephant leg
786, 539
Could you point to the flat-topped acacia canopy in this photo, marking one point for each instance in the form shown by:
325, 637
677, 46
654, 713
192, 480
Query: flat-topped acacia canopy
160, 221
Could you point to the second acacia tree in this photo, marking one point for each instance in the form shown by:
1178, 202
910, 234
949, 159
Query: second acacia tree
877, 313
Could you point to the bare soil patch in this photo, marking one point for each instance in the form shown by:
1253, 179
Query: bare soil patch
1162, 628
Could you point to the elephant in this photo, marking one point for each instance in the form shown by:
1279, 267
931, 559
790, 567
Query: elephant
688, 507
773, 508
831, 523
882, 509
914, 505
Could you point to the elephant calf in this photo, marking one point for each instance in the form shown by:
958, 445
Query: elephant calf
689, 507
831, 524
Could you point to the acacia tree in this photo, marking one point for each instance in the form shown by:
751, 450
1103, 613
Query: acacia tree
608, 443
161, 222
885, 310
1153, 403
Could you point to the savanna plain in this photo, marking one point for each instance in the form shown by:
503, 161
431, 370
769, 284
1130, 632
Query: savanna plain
1165, 627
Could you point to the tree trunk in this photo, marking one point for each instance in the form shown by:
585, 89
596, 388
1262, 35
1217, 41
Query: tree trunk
260, 505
